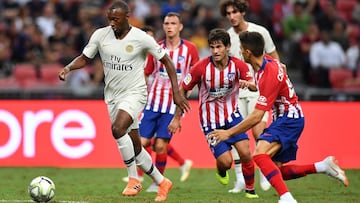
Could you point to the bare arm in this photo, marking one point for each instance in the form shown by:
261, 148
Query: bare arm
250, 121
175, 122
77, 63
247, 84
179, 100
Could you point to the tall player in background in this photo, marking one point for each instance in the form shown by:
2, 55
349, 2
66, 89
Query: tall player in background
277, 145
219, 78
123, 50
160, 108
234, 11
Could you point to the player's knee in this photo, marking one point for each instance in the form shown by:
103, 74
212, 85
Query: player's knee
160, 148
117, 132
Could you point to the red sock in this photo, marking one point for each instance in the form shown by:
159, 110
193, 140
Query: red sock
174, 155
271, 172
160, 162
294, 171
248, 170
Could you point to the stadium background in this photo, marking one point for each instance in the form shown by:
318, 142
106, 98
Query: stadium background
39, 37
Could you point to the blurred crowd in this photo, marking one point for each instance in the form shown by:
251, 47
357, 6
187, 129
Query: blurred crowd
312, 36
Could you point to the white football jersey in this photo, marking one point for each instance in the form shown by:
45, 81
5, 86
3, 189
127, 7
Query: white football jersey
123, 60
235, 48
252, 27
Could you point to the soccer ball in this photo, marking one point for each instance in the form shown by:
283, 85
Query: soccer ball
41, 189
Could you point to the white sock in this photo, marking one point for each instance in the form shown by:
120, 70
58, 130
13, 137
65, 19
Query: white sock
145, 163
320, 167
287, 196
127, 153
237, 165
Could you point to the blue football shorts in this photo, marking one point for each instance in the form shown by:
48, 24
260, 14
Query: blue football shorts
155, 123
225, 145
286, 131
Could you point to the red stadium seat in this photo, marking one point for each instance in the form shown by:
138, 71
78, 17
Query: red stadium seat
49, 74
9, 83
338, 77
24, 72
345, 8
353, 32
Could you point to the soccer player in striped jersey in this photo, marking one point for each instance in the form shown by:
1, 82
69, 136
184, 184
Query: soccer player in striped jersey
235, 11
277, 145
219, 78
160, 108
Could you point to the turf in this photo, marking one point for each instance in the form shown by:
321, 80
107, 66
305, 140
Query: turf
105, 186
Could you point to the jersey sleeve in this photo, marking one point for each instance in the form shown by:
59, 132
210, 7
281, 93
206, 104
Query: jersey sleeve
194, 55
269, 87
153, 47
91, 48
243, 68
269, 43
194, 76
150, 65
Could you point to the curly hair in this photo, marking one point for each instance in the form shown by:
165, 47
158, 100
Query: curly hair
240, 5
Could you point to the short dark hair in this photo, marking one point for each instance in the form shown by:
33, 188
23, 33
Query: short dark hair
240, 5
219, 34
253, 41
147, 28
120, 4
171, 14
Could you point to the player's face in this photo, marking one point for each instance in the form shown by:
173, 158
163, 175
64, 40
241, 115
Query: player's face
219, 51
172, 26
234, 16
118, 19
245, 53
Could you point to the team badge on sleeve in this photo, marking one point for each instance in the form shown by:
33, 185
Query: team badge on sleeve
187, 79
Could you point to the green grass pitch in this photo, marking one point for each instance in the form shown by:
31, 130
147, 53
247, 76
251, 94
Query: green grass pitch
105, 186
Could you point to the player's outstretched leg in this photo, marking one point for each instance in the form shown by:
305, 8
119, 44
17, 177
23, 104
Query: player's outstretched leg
333, 170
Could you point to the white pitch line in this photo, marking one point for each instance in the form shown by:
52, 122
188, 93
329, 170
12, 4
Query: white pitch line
17, 200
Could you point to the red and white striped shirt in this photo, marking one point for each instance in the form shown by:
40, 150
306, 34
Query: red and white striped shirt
218, 89
276, 90
160, 94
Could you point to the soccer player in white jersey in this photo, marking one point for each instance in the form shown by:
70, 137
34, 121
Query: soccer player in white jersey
277, 145
123, 50
159, 109
234, 11
219, 78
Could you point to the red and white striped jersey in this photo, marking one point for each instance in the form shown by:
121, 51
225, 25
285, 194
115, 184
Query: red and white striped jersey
276, 90
160, 95
218, 89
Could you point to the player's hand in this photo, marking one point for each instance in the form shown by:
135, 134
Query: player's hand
63, 73
174, 125
243, 84
217, 136
181, 102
